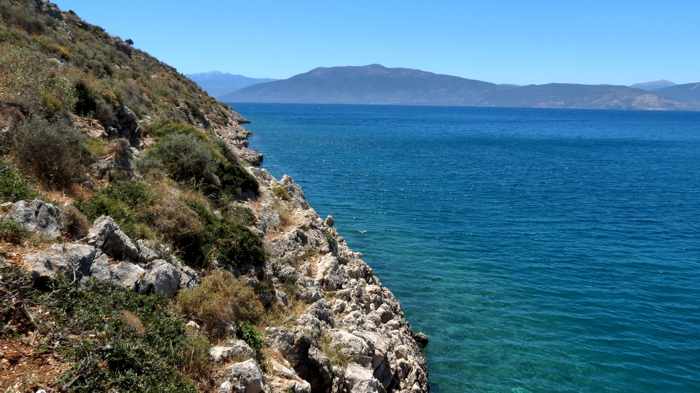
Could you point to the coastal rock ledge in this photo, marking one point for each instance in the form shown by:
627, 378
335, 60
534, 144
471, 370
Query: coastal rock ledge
345, 332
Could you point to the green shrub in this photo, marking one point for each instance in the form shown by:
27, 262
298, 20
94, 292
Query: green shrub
185, 158
248, 333
86, 103
167, 128
195, 355
19, 16
280, 192
12, 232
118, 357
114, 339
122, 201
238, 214
220, 300
58, 96
54, 153
189, 157
13, 186
229, 242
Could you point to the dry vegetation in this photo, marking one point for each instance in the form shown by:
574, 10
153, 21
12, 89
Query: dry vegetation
87, 100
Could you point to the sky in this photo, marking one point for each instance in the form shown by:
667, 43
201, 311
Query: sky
506, 41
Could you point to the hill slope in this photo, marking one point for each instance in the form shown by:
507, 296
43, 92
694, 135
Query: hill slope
372, 84
376, 84
218, 84
142, 249
689, 92
653, 85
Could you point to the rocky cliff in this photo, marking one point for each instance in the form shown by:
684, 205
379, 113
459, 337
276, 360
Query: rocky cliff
165, 258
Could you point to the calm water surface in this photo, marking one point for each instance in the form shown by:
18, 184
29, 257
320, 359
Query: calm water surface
541, 250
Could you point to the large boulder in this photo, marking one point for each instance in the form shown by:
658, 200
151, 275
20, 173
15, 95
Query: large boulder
125, 274
162, 278
71, 260
236, 349
246, 377
37, 216
106, 235
361, 380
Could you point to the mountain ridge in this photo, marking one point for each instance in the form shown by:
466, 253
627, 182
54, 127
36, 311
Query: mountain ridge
218, 83
377, 84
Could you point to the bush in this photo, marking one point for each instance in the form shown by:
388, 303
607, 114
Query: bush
248, 333
189, 157
229, 242
58, 96
280, 192
19, 16
122, 201
13, 186
119, 356
53, 153
195, 355
12, 232
75, 224
219, 301
185, 158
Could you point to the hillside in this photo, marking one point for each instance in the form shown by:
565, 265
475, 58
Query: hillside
373, 84
653, 85
689, 92
218, 84
143, 249
376, 84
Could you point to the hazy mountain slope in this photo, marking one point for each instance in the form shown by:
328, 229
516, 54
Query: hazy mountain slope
689, 93
376, 84
218, 83
563, 95
653, 85
373, 84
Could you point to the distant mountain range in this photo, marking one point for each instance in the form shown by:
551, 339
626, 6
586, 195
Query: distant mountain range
653, 85
218, 84
376, 84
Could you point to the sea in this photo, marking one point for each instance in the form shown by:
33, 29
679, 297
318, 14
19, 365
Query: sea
542, 250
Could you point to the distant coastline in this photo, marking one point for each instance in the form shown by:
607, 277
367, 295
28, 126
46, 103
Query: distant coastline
378, 85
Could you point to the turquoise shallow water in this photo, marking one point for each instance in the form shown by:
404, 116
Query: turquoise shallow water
541, 250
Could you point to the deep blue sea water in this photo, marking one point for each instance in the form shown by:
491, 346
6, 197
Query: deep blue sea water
541, 250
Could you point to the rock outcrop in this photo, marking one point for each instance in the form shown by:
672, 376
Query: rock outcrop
107, 255
351, 334
37, 216
342, 331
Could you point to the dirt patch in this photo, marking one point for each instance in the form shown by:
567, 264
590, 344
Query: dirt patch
25, 368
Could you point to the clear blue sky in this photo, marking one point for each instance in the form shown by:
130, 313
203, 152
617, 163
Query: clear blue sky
516, 41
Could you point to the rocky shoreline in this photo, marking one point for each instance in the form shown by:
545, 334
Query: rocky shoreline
342, 331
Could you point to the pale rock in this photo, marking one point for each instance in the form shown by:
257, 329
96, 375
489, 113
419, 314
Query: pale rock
237, 349
106, 235
246, 377
161, 278
124, 274
72, 260
37, 216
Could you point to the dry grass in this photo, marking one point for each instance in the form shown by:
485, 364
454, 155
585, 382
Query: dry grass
334, 352
220, 299
133, 322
